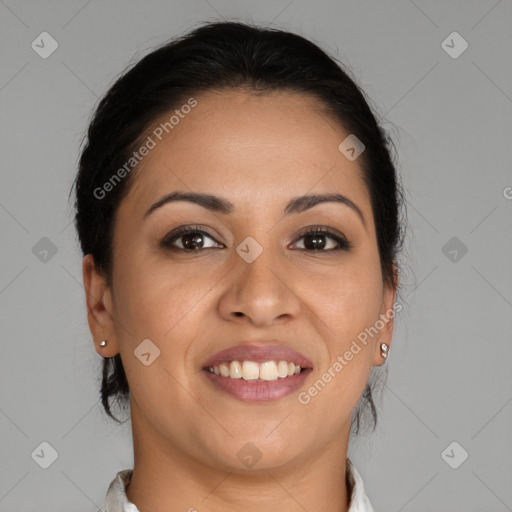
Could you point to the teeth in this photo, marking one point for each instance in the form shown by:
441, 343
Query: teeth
282, 369
224, 369
235, 370
250, 370
268, 370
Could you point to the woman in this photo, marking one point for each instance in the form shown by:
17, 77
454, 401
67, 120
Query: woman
240, 219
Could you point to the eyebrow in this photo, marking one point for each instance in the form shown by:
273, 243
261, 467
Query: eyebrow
217, 204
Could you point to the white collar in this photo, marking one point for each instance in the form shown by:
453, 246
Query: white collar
116, 500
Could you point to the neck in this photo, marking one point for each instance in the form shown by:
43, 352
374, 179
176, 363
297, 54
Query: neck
166, 479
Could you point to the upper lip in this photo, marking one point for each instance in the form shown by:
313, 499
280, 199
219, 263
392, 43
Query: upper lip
259, 352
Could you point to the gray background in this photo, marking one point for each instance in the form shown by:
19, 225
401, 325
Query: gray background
451, 118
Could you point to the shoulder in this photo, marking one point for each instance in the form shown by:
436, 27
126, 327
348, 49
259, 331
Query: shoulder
359, 501
115, 499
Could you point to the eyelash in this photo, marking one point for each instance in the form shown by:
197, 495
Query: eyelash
343, 244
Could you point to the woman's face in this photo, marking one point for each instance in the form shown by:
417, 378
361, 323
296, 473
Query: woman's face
251, 279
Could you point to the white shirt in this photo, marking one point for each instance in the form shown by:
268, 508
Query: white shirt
116, 500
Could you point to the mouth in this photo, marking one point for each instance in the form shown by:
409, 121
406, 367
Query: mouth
257, 373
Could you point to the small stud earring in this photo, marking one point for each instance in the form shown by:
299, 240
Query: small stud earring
103, 343
384, 350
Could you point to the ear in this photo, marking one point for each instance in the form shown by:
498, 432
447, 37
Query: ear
387, 316
99, 308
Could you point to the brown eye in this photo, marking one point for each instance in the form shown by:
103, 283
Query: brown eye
315, 241
189, 238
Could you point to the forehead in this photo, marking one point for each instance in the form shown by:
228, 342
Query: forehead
252, 149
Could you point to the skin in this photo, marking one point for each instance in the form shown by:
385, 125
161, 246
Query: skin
257, 152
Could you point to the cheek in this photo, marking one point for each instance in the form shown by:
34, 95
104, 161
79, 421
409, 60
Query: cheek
149, 292
153, 303
155, 300
349, 305
348, 300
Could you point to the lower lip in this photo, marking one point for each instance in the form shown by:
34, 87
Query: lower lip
258, 390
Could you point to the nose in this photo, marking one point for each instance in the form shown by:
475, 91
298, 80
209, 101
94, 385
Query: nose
261, 292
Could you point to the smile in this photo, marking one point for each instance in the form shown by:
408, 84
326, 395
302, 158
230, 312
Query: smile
251, 370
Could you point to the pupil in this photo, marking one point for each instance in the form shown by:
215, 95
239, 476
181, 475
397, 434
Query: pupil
191, 240
317, 241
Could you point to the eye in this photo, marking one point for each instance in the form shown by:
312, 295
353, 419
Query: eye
191, 239
314, 240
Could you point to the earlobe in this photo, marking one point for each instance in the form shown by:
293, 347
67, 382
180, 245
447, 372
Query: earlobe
384, 349
387, 316
99, 308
